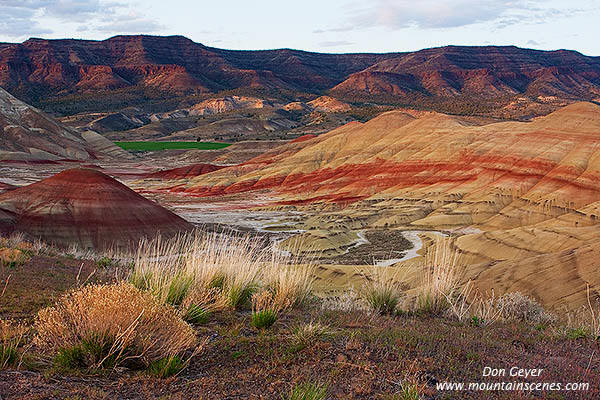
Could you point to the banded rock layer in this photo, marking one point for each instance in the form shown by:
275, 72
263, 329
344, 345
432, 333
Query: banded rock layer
522, 198
85, 207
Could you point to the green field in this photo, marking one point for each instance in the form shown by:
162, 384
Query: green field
156, 146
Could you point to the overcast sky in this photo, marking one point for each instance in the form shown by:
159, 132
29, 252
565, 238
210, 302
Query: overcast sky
316, 25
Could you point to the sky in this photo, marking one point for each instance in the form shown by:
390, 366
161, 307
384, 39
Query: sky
332, 26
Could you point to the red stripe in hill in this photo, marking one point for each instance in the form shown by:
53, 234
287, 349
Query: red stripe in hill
87, 207
303, 138
188, 171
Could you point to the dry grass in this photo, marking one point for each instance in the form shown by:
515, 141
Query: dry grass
309, 333
238, 266
382, 290
121, 322
12, 337
347, 301
290, 282
441, 277
585, 321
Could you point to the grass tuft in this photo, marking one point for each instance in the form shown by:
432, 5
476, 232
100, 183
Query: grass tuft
307, 391
264, 310
12, 337
166, 367
382, 292
309, 333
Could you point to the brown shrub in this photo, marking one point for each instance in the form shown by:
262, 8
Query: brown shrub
126, 323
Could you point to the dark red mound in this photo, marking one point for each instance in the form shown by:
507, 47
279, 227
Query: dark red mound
6, 186
188, 171
87, 207
308, 136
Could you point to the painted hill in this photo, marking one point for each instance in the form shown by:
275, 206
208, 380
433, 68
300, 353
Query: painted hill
188, 171
87, 207
523, 198
69, 75
29, 134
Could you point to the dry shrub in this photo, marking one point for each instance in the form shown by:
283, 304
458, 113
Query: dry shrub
127, 325
14, 240
516, 306
12, 337
347, 301
487, 309
441, 277
12, 257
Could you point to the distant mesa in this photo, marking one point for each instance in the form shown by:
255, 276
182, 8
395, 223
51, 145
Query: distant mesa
456, 77
86, 207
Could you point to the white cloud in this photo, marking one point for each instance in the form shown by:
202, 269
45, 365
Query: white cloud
28, 17
335, 43
435, 14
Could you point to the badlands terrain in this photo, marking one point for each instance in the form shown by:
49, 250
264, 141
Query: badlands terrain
351, 180
518, 201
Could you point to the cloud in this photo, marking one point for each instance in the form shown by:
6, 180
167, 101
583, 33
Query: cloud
441, 14
533, 43
25, 17
335, 43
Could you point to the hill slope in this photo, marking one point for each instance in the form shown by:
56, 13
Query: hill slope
29, 134
87, 207
523, 198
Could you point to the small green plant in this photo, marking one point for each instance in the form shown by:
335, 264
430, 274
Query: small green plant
264, 310
94, 352
166, 367
238, 354
8, 355
477, 321
577, 333
196, 314
70, 358
263, 319
307, 391
409, 392
104, 262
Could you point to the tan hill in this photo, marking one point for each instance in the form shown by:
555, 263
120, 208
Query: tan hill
85, 207
523, 198
329, 104
29, 134
226, 104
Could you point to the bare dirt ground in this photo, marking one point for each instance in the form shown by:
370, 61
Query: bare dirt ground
362, 356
